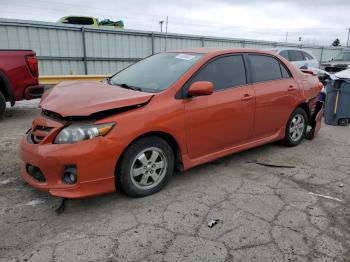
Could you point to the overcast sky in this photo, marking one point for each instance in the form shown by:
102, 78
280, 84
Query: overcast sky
318, 22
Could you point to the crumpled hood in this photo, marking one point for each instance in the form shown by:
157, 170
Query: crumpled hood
78, 98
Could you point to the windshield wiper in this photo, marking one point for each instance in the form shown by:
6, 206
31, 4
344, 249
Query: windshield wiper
129, 87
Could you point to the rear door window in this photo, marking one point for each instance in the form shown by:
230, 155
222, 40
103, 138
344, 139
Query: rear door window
224, 72
285, 72
295, 55
264, 68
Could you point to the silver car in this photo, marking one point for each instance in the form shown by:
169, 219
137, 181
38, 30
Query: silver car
298, 57
338, 63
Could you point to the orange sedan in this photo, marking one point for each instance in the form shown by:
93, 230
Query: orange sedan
171, 110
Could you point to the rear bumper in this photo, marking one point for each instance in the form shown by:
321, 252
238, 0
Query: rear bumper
316, 120
33, 92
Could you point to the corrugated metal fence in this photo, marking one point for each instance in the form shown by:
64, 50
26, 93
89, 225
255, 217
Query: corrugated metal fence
69, 49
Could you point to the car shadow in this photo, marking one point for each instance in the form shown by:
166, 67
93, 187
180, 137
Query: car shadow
180, 179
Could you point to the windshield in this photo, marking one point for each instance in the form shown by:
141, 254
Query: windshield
155, 73
343, 56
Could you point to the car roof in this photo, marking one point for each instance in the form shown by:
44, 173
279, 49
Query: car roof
213, 51
278, 49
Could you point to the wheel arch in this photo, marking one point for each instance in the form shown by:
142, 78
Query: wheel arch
166, 137
305, 107
5, 88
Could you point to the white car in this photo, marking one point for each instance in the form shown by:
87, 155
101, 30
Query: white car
298, 57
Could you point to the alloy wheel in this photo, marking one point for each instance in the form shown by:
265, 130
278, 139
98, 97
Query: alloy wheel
148, 168
296, 128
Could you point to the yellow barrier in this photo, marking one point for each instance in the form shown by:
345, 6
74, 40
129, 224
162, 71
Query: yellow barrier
55, 79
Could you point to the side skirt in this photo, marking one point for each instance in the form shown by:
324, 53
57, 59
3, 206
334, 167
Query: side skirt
189, 163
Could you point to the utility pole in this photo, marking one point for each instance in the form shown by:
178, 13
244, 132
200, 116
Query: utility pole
161, 25
286, 37
166, 32
347, 43
301, 41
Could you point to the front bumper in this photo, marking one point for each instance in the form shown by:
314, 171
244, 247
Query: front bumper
94, 159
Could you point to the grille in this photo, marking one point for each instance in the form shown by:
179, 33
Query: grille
39, 132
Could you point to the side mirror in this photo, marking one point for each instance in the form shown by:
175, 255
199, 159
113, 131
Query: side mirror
201, 88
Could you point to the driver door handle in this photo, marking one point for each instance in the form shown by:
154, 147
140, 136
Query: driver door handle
247, 97
291, 88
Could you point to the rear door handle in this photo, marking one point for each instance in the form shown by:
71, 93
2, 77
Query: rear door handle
247, 97
291, 88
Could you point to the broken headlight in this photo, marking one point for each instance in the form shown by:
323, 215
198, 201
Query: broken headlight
75, 133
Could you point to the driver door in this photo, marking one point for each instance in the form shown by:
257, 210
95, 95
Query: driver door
224, 118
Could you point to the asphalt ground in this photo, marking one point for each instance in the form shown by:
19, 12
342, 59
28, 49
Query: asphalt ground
265, 213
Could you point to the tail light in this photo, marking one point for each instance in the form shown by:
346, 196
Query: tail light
32, 63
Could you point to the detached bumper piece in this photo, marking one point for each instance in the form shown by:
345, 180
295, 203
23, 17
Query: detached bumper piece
315, 120
33, 92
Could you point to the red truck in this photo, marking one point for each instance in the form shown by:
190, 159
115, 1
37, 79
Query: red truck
18, 77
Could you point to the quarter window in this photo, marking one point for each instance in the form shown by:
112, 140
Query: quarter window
223, 72
285, 72
264, 68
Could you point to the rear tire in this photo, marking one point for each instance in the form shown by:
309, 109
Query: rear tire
296, 128
145, 167
2, 105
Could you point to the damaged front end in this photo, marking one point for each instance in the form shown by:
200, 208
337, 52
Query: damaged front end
49, 124
93, 117
66, 155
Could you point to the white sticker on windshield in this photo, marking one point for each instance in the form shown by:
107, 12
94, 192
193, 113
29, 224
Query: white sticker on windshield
185, 56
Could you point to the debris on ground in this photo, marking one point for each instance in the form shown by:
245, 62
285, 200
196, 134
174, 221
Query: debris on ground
62, 207
212, 222
271, 165
7, 181
325, 196
341, 185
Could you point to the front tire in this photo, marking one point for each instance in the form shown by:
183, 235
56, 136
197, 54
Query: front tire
296, 128
2, 105
145, 167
